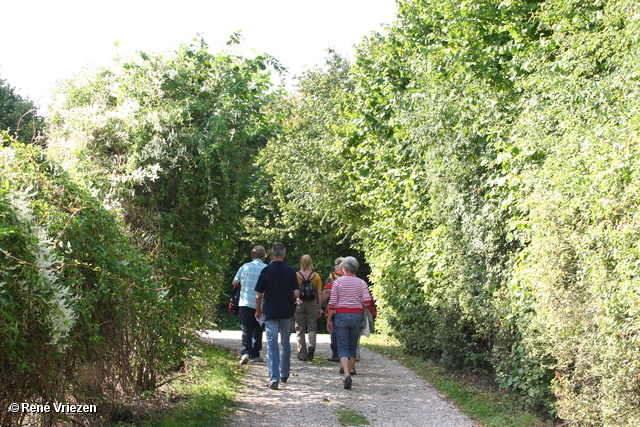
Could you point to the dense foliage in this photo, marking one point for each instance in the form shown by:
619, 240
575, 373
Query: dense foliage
130, 215
168, 140
298, 181
577, 172
18, 116
75, 294
484, 156
480, 156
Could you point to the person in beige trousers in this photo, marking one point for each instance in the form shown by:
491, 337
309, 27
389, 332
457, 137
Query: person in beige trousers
308, 312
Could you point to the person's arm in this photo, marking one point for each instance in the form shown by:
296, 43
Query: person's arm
238, 277
331, 308
326, 294
260, 288
317, 284
330, 320
295, 285
366, 295
258, 305
367, 300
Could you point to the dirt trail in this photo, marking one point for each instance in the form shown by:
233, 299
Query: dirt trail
384, 392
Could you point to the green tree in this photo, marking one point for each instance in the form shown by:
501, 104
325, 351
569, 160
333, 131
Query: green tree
576, 171
168, 141
18, 116
433, 99
466, 144
298, 177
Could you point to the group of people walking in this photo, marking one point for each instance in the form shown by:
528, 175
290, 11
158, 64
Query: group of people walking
278, 297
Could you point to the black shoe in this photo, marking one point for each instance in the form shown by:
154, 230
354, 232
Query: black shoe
353, 371
273, 385
342, 371
347, 382
284, 379
333, 359
310, 352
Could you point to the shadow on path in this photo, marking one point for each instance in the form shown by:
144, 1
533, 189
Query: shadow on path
384, 392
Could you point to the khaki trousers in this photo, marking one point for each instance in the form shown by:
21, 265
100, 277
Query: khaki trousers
306, 323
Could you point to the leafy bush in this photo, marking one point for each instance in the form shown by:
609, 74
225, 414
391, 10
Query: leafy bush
298, 176
119, 234
167, 140
486, 158
18, 117
76, 295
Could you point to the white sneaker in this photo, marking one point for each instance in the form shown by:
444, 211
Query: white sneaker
244, 359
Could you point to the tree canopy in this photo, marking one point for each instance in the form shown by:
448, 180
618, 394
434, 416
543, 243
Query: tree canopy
18, 116
480, 157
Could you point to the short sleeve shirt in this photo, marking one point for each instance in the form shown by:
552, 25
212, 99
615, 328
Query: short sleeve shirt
277, 282
315, 279
333, 276
247, 276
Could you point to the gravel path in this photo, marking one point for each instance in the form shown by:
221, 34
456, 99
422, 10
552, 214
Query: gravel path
384, 392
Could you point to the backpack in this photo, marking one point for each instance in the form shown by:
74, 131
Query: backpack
307, 288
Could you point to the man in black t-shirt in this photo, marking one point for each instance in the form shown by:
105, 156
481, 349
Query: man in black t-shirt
278, 290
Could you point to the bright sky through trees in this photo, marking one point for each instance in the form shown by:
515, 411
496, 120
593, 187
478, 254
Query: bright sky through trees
45, 40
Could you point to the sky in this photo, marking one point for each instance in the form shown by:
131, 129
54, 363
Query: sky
42, 41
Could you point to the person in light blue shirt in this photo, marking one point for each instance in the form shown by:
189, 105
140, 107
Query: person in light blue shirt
246, 278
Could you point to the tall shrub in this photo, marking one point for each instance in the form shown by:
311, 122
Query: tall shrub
76, 297
167, 140
578, 164
299, 182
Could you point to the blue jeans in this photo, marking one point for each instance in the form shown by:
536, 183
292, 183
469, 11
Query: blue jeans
279, 357
334, 345
348, 327
251, 332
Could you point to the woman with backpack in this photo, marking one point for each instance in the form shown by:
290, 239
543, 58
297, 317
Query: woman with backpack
308, 308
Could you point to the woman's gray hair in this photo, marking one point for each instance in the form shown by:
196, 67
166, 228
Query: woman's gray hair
350, 264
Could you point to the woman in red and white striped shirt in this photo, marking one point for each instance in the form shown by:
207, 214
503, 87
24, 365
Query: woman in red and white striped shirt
349, 295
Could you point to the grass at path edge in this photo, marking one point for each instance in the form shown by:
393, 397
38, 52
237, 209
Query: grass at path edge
474, 395
200, 396
204, 394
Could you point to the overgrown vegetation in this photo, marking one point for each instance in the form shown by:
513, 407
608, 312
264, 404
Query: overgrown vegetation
75, 293
116, 238
485, 154
204, 397
480, 156
18, 117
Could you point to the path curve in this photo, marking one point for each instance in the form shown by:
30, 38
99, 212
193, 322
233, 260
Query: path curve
385, 392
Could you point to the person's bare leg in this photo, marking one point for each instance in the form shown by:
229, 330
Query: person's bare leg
345, 362
352, 364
